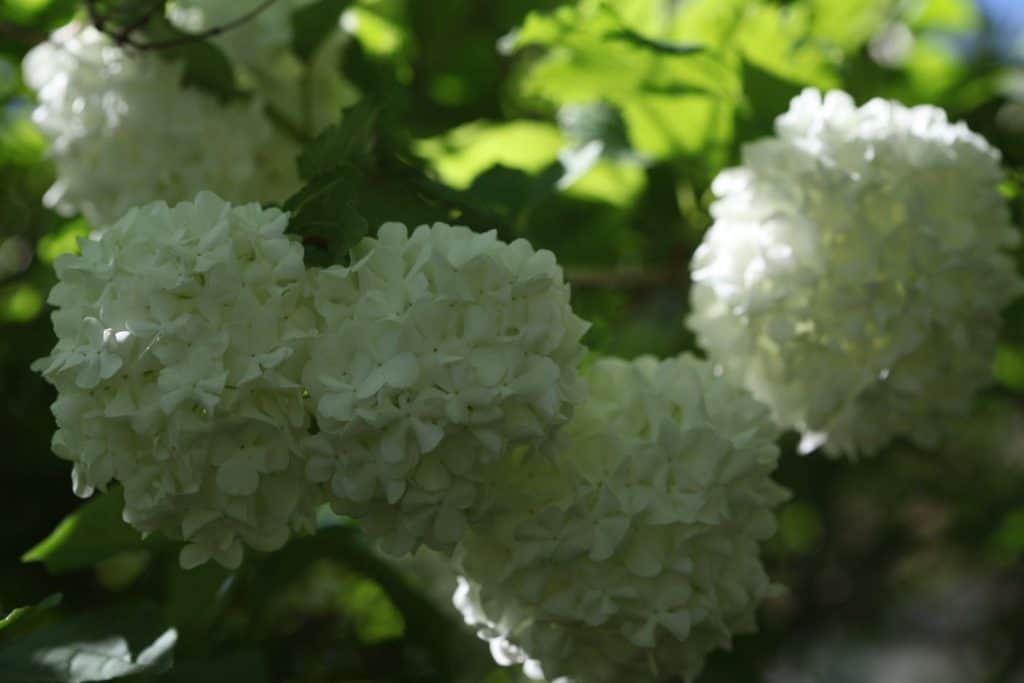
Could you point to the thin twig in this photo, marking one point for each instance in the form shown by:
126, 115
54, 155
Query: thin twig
139, 21
122, 37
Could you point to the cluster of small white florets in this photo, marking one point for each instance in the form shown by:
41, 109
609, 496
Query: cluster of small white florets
855, 272
188, 338
438, 352
124, 131
629, 548
181, 339
430, 384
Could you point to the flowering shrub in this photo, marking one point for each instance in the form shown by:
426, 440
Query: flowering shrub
438, 366
856, 269
258, 397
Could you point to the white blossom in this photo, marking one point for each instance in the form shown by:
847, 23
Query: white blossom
124, 130
855, 271
629, 548
438, 351
182, 333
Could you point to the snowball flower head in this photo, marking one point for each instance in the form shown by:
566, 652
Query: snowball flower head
124, 131
632, 549
855, 271
181, 336
438, 352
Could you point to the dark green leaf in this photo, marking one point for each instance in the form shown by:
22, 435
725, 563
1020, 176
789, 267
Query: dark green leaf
1008, 367
512, 193
96, 646
404, 192
20, 613
424, 623
115, 15
93, 532
196, 597
347, 142
766, 95
312, 23
325, 213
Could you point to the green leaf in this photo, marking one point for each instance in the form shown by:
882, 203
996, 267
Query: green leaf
800, 527
672, 96
666, 47
1006, 544
196, 597
313, 23
96, 646
952, 15
514, 194
380, 35
92, 533
20, 303
348, 142
851, 23
671, 69
1008, 367
767, 95
374, 616
781, 41
462, 154
39, 13
424, 622
19, 613
325, 213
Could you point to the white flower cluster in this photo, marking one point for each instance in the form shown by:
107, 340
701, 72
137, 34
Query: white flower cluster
438, 352
629, 548
182, 335
226, 386
432, 389
855, 272
124, 131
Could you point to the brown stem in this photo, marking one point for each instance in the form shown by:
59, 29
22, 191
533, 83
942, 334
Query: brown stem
122, 37
139, 21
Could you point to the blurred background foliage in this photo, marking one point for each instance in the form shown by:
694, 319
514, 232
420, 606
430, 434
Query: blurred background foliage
594, 129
